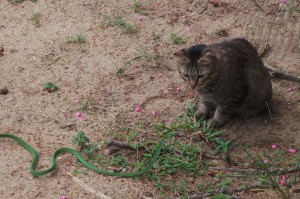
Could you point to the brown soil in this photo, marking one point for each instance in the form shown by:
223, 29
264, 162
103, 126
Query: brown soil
34, 55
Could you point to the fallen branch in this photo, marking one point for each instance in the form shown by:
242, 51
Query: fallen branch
228, 191
280, 171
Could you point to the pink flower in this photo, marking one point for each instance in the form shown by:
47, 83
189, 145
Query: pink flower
178, 89
140, 18
283, 2
138, 108
290, 89
266, 161
284, 177
98, 98
282, 182
63, 197
292, 151
274, 146
154, 113
189, 29
160, 75
80, 116
184, 18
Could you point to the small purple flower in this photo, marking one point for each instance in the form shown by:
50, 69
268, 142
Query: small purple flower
274, 146
184, 18
284, 177
283, 2
290, 89
138, 108
178, 89
292, 151
80, 116
63, 197
154, 113
282, 183
98, 98
140, 19
189, 29
266, 161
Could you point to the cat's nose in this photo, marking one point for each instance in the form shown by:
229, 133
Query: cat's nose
193, 84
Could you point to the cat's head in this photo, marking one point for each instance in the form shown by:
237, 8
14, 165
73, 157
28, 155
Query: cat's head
197, 66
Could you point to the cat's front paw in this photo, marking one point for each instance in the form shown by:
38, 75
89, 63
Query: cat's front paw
200, 114
215, 124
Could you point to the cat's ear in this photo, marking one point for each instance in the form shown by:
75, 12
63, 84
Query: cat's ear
181, 54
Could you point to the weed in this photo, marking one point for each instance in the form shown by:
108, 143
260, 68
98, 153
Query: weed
127, 27
221, 196
222, 33
36, 19
120, 71
270, 164
50, 86
81, 139
119, 22
19, 1
290, 8
131, 28
76, 39
83, 142
176, 157
139, 8
177, 40
156, 36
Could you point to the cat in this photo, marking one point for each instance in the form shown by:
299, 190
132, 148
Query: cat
229, 77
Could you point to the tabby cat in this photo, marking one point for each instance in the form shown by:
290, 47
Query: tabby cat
230, 78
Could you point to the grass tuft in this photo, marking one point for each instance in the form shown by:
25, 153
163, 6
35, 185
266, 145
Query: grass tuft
177, 40
76, 39
36, 19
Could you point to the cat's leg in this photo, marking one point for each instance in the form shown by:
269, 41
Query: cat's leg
205, 106
221, 115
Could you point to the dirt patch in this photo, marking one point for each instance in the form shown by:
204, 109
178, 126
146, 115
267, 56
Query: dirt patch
85, 73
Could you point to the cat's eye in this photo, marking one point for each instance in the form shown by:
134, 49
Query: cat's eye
201, 75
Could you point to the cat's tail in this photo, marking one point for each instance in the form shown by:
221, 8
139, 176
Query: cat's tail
281, 75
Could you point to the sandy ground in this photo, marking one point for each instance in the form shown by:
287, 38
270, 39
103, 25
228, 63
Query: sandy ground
35, 55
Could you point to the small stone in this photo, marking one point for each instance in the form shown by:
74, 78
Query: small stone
1, 51
3, 91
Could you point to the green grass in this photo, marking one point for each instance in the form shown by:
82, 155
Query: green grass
120, 71
119, 22
76, 39
290, 8
177, 156
139, 8
50, 86
127, 27
157, 36
177, 40
180, 161
221, 33
19, 1
36, 19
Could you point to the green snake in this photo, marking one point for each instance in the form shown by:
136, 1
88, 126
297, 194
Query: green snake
35, 158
